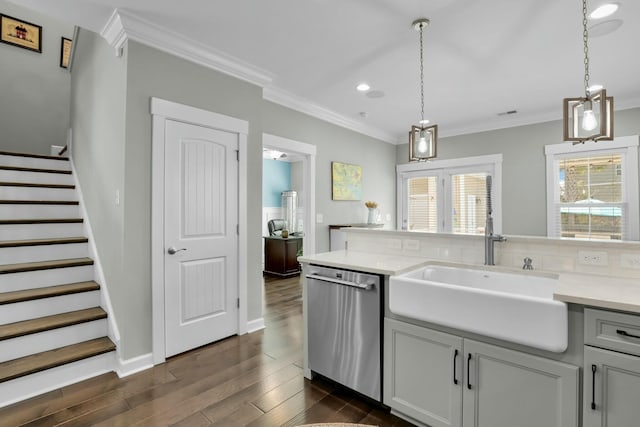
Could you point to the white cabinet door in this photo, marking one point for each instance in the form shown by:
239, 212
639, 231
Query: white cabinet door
423, 373
611, 392
506, 388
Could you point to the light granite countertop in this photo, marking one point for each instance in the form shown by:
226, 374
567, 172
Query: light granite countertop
612, 293
365, 261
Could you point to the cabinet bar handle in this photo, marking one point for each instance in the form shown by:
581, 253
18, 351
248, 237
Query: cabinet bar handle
626, 334
468, 371
594, 368
455, 356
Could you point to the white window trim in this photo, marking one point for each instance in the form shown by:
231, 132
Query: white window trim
628, 146
493, 162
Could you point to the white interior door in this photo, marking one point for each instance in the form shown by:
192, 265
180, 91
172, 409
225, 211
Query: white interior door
200, 236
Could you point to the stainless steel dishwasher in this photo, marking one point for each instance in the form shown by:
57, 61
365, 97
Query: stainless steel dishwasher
344, 327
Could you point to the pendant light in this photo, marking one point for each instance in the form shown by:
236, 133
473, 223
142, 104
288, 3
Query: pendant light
423, 139
589, 118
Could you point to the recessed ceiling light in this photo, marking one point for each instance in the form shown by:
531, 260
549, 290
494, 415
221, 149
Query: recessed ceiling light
363, 114
604, 10
363, 87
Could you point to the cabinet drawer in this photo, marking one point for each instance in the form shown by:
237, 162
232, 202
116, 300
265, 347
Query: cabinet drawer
615, 331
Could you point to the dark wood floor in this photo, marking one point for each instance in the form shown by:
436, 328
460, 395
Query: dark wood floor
250, 380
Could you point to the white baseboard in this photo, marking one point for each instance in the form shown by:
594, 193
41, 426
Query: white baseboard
134, 365
255, 325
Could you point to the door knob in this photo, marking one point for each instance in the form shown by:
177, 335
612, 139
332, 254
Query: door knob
172, 250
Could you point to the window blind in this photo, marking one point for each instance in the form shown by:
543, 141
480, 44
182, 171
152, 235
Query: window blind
469, 203
422, 204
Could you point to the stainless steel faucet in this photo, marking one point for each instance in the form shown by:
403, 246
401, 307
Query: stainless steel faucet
489, 237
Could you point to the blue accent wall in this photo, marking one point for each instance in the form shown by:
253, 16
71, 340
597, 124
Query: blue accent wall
276, 178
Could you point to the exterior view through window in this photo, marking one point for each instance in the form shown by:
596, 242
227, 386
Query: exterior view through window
591, 197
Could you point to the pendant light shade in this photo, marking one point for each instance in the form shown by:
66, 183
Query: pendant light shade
423, 140
588, 118
423, 143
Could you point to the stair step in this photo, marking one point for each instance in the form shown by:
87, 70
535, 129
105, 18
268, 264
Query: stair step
41, 221
42, 242
26, 327
33, 156
44, 265
17, 368
38, 170
35, 184
39, 202
48, 292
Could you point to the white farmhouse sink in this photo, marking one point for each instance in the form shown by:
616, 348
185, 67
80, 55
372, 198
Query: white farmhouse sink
516, 307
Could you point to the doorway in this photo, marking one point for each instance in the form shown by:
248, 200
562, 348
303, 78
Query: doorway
305, 154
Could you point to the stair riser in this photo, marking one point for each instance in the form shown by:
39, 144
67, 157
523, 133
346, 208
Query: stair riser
40, 231
30, 162
35, 177
15, 211
33, 385
43, 278
36, 193
17, 312
18, 255
49, 340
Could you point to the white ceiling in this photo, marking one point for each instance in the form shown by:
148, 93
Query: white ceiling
482, 58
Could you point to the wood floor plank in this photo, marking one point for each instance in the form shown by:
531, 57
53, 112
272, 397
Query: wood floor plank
195, 420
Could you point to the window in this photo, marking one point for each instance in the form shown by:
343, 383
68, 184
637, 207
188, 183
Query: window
592, 190
449, 195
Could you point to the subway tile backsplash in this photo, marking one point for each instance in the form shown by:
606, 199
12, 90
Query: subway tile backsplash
554, 255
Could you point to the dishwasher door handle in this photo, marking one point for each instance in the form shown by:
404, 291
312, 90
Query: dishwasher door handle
363, 286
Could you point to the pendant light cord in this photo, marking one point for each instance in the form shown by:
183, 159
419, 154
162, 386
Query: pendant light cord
422, 77
585, 39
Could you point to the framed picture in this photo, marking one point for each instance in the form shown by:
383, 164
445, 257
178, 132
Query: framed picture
20, 33
65, 52
346, 181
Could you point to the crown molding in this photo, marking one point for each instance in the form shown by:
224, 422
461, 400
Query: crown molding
123, 26
289, 100
114, 33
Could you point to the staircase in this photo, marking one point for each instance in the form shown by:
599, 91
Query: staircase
53, 331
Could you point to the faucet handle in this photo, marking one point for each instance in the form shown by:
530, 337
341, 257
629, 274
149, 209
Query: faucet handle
528, 264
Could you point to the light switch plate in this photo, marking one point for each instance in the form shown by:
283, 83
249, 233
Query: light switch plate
319, 218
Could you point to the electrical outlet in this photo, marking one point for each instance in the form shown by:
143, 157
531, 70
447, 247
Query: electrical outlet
593, 258
411, 245
630, 260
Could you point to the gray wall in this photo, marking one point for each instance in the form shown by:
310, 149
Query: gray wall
34, 108
98, 100
334, 143
524, 200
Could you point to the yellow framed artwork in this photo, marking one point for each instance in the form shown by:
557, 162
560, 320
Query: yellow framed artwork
346, 181
20, 33
65, 52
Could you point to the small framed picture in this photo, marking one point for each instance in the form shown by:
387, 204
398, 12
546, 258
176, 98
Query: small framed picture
20, 33
65, 52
